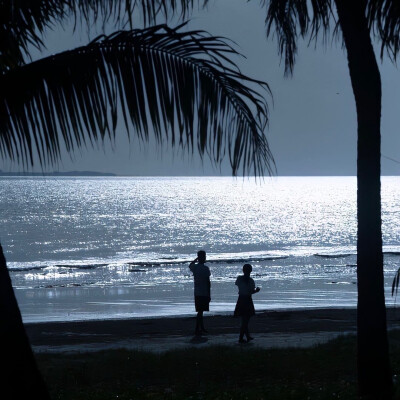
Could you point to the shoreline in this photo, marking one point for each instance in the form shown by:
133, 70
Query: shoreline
273, 328
208, 314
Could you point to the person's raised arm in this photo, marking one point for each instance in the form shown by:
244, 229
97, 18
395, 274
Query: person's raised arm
191, 265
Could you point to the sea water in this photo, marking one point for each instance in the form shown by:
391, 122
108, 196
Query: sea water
119, 247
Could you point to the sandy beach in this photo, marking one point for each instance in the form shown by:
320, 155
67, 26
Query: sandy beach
292, 328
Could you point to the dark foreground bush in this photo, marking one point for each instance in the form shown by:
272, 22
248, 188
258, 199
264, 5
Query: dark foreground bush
236, 372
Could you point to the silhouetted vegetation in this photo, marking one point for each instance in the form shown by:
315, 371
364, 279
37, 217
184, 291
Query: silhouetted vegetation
323, 372
355, 22
77, 96
179, 86
19, 377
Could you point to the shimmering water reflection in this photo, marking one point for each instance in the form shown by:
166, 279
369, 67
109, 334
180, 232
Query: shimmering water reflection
81, 248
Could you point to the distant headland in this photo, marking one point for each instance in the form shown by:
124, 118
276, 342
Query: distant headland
56, 173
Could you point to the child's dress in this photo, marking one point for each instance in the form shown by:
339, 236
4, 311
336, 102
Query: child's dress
244, 304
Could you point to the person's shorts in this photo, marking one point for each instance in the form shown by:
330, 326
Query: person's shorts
202, 303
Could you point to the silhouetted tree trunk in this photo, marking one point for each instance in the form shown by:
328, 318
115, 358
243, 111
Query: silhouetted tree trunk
20, 377
374, 374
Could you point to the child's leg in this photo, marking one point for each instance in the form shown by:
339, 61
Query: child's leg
246, 332
243, 327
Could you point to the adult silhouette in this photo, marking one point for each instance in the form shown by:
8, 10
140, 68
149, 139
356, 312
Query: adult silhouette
244, 306
202, 289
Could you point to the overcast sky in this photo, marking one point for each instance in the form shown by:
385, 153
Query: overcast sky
312, 128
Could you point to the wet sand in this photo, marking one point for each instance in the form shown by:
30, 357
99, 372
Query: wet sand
292, 328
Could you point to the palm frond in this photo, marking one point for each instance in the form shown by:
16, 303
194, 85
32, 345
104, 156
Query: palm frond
289, 19
22, 22
395, 284
384, 19
171, 80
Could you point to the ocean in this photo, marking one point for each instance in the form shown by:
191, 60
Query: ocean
119, 247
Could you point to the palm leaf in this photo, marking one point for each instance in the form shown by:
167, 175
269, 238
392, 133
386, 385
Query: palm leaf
171, 80
384, 19
23, 22
294, 18
291, 19
395, 283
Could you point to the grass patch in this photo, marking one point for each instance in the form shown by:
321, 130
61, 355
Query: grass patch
322, 372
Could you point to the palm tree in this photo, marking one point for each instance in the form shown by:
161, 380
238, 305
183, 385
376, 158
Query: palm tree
180, 86
359, 21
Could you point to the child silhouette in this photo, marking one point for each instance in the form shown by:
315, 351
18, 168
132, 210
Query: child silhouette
244, 306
